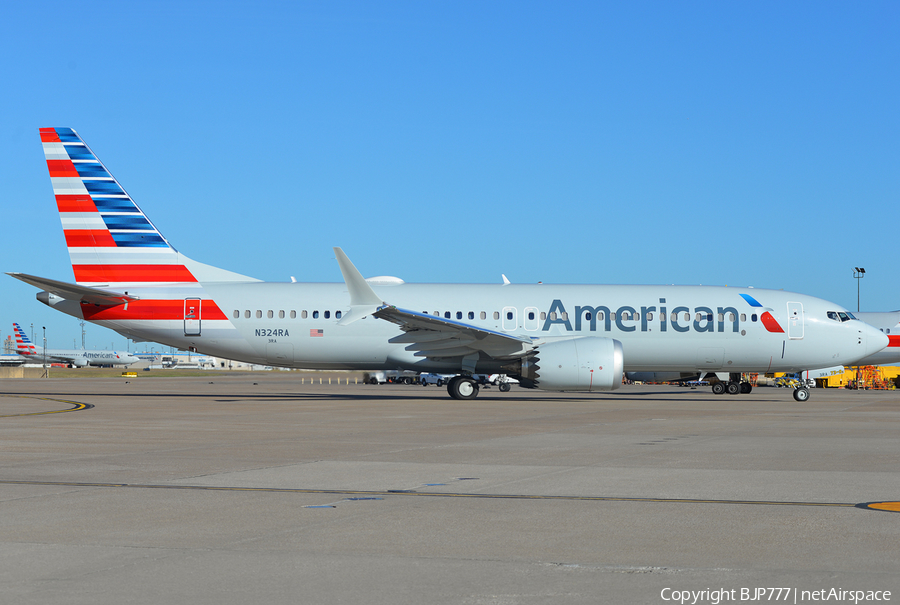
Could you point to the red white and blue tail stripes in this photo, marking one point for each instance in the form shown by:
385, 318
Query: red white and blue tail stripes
111, 242
24, 345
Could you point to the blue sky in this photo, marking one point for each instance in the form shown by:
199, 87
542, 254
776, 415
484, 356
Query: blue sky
640, 142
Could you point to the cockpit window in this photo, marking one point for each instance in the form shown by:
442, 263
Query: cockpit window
844, 316
851, 315
834, 316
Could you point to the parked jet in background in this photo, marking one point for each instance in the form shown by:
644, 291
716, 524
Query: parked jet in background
555, 337
76, 357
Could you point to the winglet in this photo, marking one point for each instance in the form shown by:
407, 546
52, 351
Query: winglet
363, 300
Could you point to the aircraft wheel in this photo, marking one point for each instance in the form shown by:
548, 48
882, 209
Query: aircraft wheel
733, 388
746, 387
801, 394
718, 388
504, 387
462, 387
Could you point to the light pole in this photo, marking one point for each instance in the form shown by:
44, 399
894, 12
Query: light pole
46, 367
858, 273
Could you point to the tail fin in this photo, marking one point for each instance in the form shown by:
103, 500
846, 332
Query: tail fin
23, 343
111, 241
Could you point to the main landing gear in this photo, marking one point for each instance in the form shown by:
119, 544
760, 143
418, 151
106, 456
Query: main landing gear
732, 388
462, 387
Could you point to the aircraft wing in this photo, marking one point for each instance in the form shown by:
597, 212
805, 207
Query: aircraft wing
437, 337
74, 291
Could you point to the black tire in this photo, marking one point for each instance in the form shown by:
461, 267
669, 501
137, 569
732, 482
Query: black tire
462, 387
801, 394
504, 387
733, 388
746, 387
718, 388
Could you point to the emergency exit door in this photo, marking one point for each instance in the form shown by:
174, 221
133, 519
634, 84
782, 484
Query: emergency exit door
192, 317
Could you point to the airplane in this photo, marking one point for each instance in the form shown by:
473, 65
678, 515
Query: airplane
129, 278
78, 358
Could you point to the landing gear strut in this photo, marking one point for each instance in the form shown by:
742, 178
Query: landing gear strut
462, 387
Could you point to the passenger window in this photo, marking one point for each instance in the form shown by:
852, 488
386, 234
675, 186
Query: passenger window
483, 315
709, 317
731, 317
247, 314
303, 314
543, 315
337, 314
531, 315
447, 314
459, 315
281, 315
674, 316
509, 315
237, 314
437, 313
258, 314
270, 314
565, 315
587, 316
699, 317
327, 314
743, 317
471, 314
649, 316
754, 317
293, 315
721, 317
496, 315
601, 316
553, 316
315, 315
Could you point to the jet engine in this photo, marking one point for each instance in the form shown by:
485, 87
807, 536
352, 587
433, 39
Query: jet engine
79, 362
575, 364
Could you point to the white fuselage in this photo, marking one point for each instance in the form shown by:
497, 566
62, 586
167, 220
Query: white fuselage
713, 329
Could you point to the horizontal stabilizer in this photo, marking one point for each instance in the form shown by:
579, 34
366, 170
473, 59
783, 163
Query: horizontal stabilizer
74, 291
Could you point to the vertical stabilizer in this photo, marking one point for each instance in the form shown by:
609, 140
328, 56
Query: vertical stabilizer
111, 242
24, 346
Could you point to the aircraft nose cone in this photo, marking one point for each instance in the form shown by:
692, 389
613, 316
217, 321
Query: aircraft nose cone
875, 339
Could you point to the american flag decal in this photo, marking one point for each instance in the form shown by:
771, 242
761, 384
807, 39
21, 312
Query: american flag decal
314, 333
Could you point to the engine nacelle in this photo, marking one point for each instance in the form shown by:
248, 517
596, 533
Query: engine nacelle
588, 363
79, 362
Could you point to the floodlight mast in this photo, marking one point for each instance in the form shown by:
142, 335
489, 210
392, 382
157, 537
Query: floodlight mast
858, 274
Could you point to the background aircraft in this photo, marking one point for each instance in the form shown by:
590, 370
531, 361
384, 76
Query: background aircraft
76, 357
554, 337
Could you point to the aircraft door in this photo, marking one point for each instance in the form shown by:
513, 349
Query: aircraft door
795, 320
192, 317
509, 319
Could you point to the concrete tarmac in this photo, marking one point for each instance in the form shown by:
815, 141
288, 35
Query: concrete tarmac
257, 488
